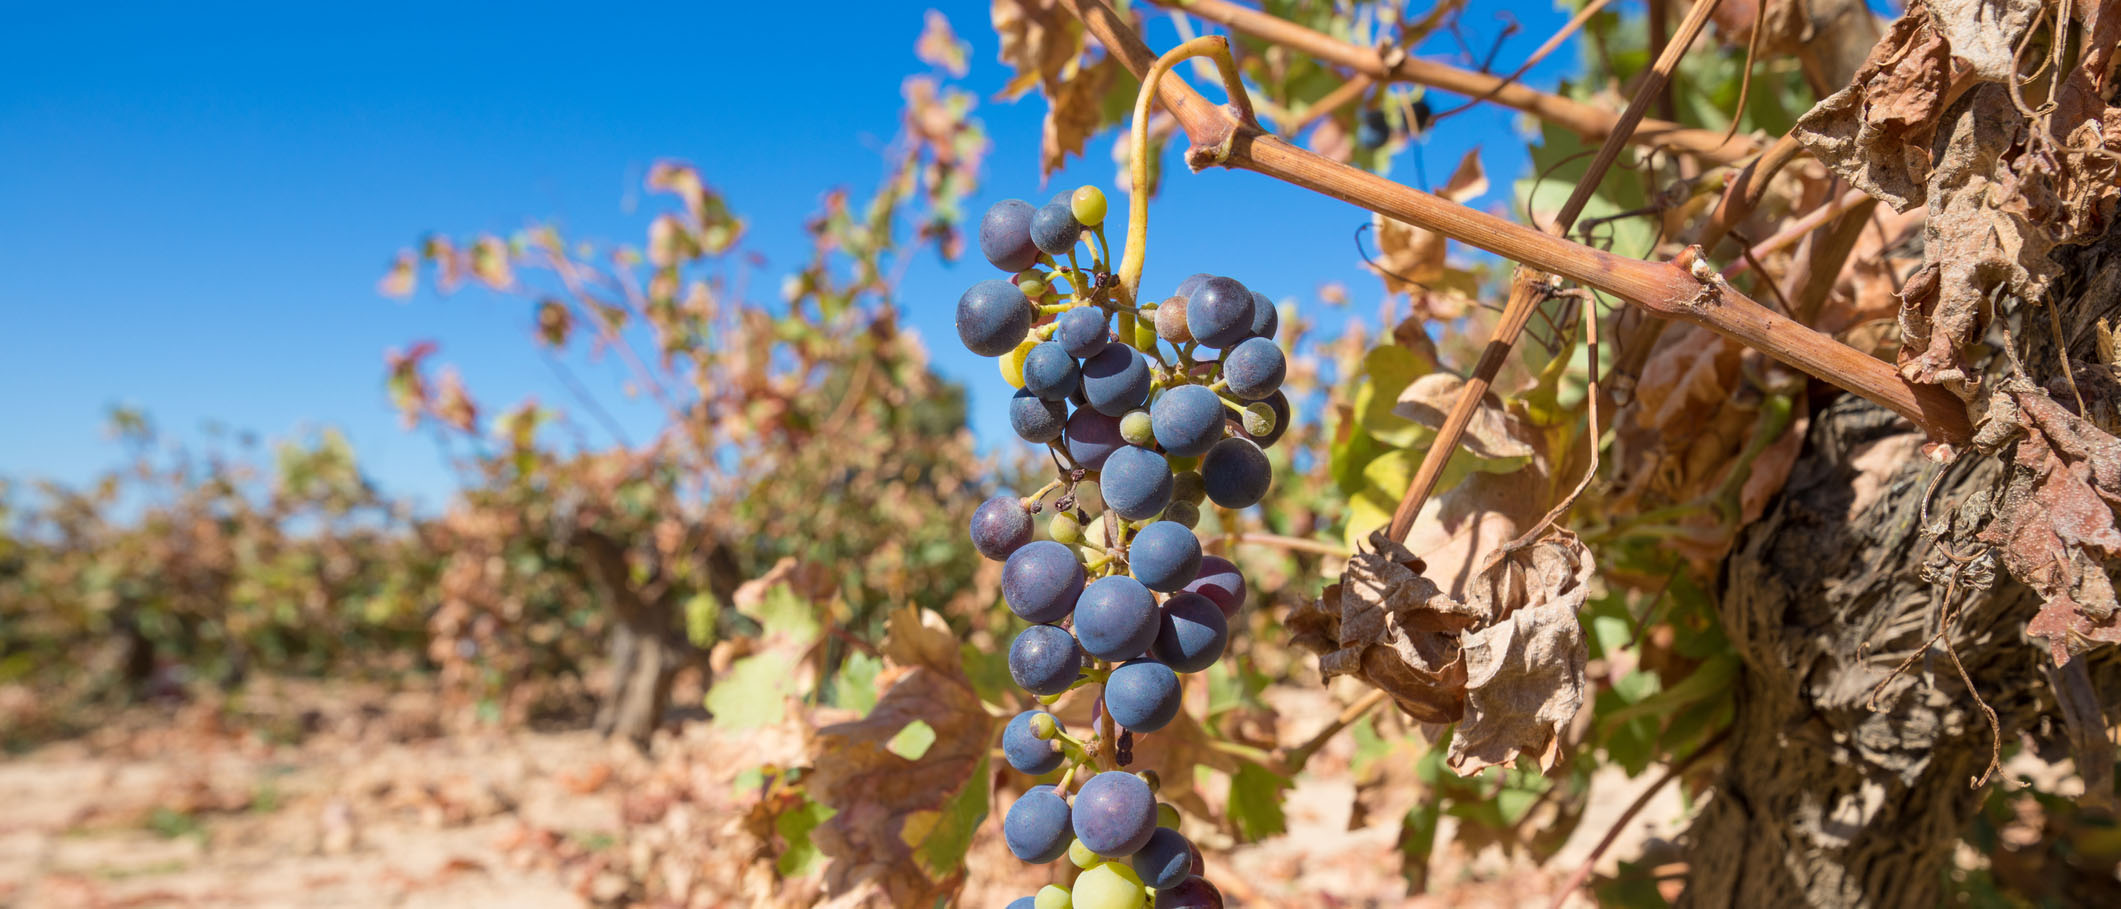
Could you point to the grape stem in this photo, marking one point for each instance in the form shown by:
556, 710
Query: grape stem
1040, 496
1137, 252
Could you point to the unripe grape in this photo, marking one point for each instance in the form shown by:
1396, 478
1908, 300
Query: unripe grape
1033, 288
1065, 529
1150, 779
1082, 856
1260, 419
1088, 204
1052, 896
1136, 428
1184, 514
1112, 885
1044, 727
1013, 363
1166, 815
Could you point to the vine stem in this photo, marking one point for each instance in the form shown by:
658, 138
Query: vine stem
1668, 289
1137, 252
1528, 290
1576, 116
1295, 758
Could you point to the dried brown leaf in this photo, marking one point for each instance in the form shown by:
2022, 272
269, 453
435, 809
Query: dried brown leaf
888, 805
1495, 432
2055, 522
1073, 113
1457, 529
1525, 666
1412, 254
1876, 133
1386, 624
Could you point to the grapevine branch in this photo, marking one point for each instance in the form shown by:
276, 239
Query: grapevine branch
1528, 289
1669, 289
1571, 114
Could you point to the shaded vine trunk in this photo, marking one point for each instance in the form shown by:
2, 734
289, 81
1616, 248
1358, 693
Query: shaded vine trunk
648, 639
1826, 801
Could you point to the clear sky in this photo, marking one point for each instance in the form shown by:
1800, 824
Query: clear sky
196, 202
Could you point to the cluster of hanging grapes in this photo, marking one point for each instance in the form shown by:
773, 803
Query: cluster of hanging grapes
1149, 409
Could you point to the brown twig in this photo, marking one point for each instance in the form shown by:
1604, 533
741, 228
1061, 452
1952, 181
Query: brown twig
1295, 758
1798, 228
1553, 41
1573, 115
1333, 101
1528, 289
1669, 289
1583, 871
1296, 544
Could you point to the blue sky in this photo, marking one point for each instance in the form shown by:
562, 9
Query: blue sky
195, 203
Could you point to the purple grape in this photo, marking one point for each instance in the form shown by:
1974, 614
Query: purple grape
1035, 420
1166, 861
1116, 380
1044, 659
1194, 893
1027, 752
1005, 236
1041, 581
1236, 474
1221, 583
1191, 632
1137, 482
1082, 331
1051, 374
1164, 556
1253, 369
1219, 313
1114, 814
1143, 695
1187, 420
1092, 438
1037, 827
992, 317
1054, 229
1116, 618
1191, 284
1266, 319
1000, 526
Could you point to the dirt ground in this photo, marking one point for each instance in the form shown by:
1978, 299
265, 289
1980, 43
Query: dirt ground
371, 803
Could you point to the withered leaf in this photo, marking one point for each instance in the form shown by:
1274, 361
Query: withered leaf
1386, 624
902, 825
2055, 524
1985, 33
1495, 433
1073, 113
1525, 666
1409, 255
1876, 133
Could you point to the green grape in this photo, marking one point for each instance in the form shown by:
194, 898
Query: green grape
1053, 896
1013, 363
1112, 885
1088, 206
1081, 855
1043, 727
1259, 419
1136, 428
1065, 529
1186, 463
1166, 816
1033, 288
1186, 487
1186, 514
1150, 778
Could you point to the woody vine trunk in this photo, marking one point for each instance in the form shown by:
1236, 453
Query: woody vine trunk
1835, 803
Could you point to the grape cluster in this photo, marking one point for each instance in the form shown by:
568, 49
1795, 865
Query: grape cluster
1150, 409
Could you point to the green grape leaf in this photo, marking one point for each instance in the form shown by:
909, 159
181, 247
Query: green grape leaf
799, 856
1255, 801
754, 692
